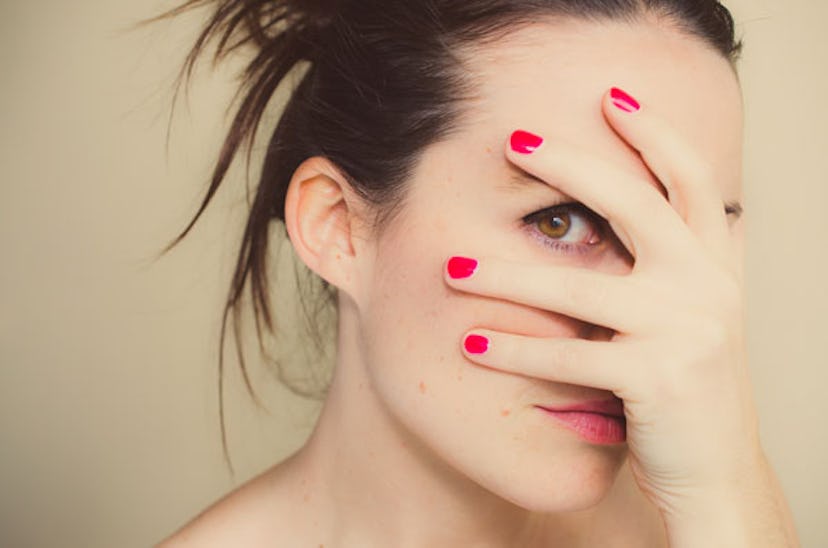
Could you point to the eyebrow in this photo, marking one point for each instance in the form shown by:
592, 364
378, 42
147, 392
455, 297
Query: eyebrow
518, 181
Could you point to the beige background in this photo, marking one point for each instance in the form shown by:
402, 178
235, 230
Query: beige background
108, 413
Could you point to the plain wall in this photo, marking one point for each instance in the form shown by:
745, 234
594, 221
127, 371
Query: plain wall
108, 411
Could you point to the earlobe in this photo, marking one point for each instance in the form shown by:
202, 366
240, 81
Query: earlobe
320, 220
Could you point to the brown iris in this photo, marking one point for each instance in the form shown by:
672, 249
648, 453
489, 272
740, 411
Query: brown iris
555, 226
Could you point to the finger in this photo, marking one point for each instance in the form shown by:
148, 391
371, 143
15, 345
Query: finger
641, 217
599, 364
617, 302
686, 175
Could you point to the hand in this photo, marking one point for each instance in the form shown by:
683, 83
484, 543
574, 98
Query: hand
678, 359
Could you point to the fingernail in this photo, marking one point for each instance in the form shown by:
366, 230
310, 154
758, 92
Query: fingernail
461, 267
623, 100
525, 142
476, 344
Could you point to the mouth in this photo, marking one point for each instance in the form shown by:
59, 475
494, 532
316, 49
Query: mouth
598, 422
613, 407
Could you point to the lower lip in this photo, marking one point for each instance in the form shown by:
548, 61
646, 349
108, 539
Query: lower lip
593, 427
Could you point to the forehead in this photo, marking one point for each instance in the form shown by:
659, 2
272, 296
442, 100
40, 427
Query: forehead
549, 77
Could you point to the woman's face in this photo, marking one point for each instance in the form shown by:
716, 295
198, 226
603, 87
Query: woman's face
463, 200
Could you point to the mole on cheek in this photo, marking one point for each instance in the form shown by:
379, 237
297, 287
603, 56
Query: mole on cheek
422, 387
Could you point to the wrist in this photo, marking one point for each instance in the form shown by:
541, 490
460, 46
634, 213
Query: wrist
749, 510
713, 520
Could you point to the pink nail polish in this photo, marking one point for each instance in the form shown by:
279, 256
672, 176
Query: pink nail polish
525, 142
623, 100
476, 344
461, 267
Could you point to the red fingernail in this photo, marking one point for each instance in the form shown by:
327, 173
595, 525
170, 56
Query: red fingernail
461, 267
623, 100
525, 142
476, 344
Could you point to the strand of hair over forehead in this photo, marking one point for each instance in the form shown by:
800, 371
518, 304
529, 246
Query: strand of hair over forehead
341, 38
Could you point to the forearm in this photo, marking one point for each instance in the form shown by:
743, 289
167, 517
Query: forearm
752, 514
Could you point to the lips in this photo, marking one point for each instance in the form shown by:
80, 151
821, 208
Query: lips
612, 407
599, 422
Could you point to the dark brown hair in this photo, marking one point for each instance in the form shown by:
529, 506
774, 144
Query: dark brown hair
383, 81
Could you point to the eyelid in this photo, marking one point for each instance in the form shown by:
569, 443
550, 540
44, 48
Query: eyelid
564, 205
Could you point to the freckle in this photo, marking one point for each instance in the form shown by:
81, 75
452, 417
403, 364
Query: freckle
489, 150
505, 412
422, 387
306, 498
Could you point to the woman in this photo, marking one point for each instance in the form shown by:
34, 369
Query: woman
529, 214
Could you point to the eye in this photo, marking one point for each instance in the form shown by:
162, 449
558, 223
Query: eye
569, 227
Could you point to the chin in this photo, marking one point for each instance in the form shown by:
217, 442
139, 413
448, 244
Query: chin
565, 486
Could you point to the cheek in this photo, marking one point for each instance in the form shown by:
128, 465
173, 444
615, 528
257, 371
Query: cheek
413, 324
476, 419
416, 322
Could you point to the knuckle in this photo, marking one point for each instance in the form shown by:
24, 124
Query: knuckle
715, 333
493, 278
564, 355
509, 351
579, 292
670, 383
701, 171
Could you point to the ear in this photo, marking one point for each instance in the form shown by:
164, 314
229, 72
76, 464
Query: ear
322, 220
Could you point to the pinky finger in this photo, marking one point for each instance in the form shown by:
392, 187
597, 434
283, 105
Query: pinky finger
600, 364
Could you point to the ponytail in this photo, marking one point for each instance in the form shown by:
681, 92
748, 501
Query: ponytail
282, 36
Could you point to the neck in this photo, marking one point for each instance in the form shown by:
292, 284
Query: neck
375, 483
364, 479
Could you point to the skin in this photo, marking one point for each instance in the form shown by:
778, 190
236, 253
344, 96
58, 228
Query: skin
421, 443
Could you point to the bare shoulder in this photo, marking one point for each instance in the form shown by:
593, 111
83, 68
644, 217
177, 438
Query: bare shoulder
258, 513
234, 520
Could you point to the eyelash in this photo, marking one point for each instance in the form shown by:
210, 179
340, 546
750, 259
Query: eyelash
598, 224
